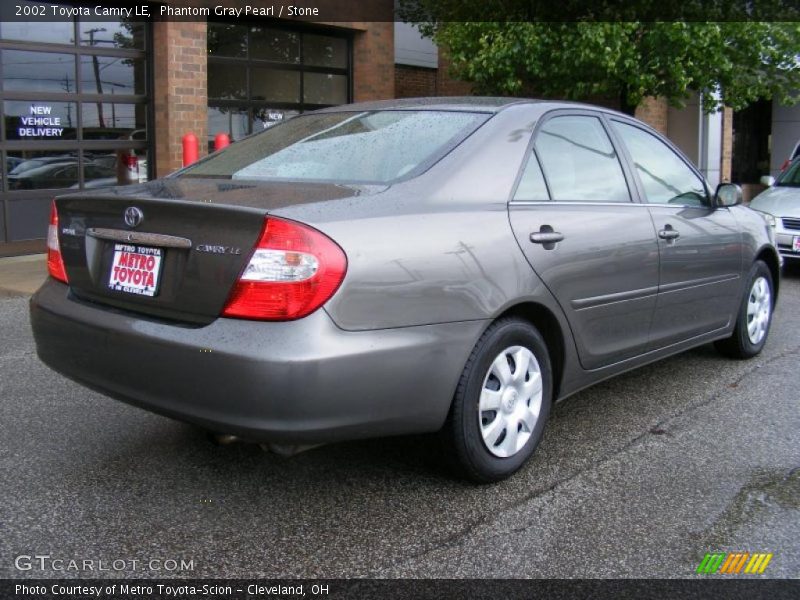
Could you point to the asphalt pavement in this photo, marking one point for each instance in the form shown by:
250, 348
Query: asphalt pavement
639, 476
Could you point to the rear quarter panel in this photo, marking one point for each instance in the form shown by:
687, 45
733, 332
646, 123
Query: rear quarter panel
438, 248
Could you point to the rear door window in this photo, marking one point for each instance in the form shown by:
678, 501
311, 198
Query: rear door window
579, 161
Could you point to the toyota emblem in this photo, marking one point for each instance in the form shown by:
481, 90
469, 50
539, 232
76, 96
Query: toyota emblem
133, 216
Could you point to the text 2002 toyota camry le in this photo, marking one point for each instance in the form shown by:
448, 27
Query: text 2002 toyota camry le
389, 268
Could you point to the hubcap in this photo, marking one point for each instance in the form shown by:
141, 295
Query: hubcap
759, 307
510, 401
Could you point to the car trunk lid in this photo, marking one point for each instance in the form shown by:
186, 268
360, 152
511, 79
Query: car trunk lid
170, 249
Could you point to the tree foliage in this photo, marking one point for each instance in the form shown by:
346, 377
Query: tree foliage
730, 63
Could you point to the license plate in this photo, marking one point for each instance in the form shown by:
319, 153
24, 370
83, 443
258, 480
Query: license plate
796, 243
135, 269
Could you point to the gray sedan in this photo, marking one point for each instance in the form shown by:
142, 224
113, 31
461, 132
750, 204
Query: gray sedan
443, 265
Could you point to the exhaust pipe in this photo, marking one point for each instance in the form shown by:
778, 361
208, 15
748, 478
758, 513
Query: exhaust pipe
223, 439
287, 450
284, 450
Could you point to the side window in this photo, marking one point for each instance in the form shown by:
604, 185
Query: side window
531, 185
665, 177
579, 161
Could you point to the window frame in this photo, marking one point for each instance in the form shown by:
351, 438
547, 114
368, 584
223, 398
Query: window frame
623, 159
80, 97
250, 106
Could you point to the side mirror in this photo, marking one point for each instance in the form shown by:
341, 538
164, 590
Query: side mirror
728, 194
767, 180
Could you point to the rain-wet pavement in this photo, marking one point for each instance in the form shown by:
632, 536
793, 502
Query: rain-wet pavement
639, 476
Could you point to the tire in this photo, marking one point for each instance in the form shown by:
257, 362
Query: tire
754, 317
494, 427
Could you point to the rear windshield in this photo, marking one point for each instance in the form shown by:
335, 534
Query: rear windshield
360, 147
791, 176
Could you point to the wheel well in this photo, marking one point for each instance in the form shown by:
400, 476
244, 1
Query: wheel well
771, 260
547, 324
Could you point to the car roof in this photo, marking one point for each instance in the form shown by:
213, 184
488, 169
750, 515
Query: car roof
465, 103
488, 104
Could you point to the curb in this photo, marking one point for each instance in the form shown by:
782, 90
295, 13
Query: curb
22, 275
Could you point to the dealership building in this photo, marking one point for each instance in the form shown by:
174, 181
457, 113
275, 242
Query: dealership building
89, 102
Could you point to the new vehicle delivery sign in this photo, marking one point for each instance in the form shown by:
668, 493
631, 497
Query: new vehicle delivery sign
40, 123
135, 269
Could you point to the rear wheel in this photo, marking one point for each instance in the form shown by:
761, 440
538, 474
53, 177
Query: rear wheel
502, 402
754, 316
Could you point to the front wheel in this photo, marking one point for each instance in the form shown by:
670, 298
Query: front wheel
754, 316
502, 402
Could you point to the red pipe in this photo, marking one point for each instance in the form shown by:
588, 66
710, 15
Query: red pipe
191, 149
221, 140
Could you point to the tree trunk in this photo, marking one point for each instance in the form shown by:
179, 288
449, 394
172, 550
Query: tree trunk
624, 105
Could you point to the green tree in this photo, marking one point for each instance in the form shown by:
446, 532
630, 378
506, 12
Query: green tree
730, 63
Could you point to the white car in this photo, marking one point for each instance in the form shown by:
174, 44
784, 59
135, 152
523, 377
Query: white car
780, 203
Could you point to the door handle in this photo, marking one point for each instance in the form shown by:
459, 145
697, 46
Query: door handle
547, 237
669, 234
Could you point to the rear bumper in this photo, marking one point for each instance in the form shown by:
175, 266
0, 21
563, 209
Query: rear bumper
303, 381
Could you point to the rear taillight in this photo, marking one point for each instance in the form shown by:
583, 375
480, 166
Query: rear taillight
293, 270
55, 263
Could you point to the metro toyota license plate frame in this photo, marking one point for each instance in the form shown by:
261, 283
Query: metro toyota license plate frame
136, 269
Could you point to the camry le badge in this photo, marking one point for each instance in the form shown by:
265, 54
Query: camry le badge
212, 249
133, 216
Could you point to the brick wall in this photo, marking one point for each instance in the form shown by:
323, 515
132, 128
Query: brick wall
180, 90
180, 80
373, 61
654, 112
414, 82
727, 145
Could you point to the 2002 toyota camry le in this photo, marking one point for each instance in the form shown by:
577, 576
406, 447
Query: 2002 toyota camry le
452, 265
